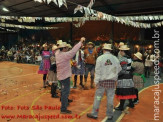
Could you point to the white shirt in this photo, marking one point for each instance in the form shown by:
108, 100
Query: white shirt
149, 62
107, 68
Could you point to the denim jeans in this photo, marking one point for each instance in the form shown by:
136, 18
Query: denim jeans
97, 99
147, 71
65, 90
89, 68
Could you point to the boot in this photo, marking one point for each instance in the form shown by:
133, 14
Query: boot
120, 107
136, 100
44, 84
53, 91
131, 104
81, 81
92, 80
75, 80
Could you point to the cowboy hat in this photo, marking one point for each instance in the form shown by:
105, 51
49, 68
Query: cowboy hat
138, 55
107, 47
44, 45
90, 43
69, 46
54, 47
62, 45
124, 47
121, 44
59, 42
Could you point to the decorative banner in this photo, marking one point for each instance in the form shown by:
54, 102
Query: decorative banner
59, 3
87, 11
55, 1
78, 8
8, 29
91, 3
99, 16
93, 14
26, 27
81, 22
143, 18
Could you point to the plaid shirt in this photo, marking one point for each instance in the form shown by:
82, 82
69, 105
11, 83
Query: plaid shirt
107, 84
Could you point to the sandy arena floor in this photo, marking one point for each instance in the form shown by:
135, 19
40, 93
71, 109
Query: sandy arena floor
22, 97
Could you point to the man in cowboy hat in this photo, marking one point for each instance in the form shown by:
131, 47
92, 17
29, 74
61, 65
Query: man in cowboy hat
64, 72
59, 42
90, 55
106, 74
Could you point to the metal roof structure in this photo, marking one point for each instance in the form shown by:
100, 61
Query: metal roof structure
113, 7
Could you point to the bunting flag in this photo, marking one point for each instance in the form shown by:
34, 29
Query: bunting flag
87, 11
48, 1
98, 16
8, 29
55, 1
65, 4
94, 15
80, 23
59, 3
91, 3
143, 17
26, 27
78, 8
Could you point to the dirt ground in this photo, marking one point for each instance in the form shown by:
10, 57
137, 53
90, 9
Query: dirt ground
22, 98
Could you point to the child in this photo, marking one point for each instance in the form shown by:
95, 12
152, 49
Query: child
52, 74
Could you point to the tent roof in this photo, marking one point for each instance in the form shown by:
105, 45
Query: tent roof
113, 7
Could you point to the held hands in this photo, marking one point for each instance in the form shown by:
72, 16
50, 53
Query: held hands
82, 39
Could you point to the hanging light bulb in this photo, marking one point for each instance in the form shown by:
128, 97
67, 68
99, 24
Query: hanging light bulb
5, 9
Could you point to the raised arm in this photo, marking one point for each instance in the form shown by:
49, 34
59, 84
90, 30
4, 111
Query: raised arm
70, 54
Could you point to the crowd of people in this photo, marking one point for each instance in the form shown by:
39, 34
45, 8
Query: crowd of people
109, 69
24, 54
105, 70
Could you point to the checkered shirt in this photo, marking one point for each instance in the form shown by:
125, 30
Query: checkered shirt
107, 84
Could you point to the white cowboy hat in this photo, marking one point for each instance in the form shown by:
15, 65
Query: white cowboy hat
107, 47
138, 55
121, 44
45, 45
63, 44
69, 46
59, 42
54, 47
124, 47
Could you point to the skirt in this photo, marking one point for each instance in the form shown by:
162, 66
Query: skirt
79, 70
125, 93
138, 81
44, 67
125, 89
52, 77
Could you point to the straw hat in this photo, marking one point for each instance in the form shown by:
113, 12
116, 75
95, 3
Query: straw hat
59, 42
138, 55
54, 47
107, 47
124, 47
45, 45
69, 46
63, 44
121, 44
